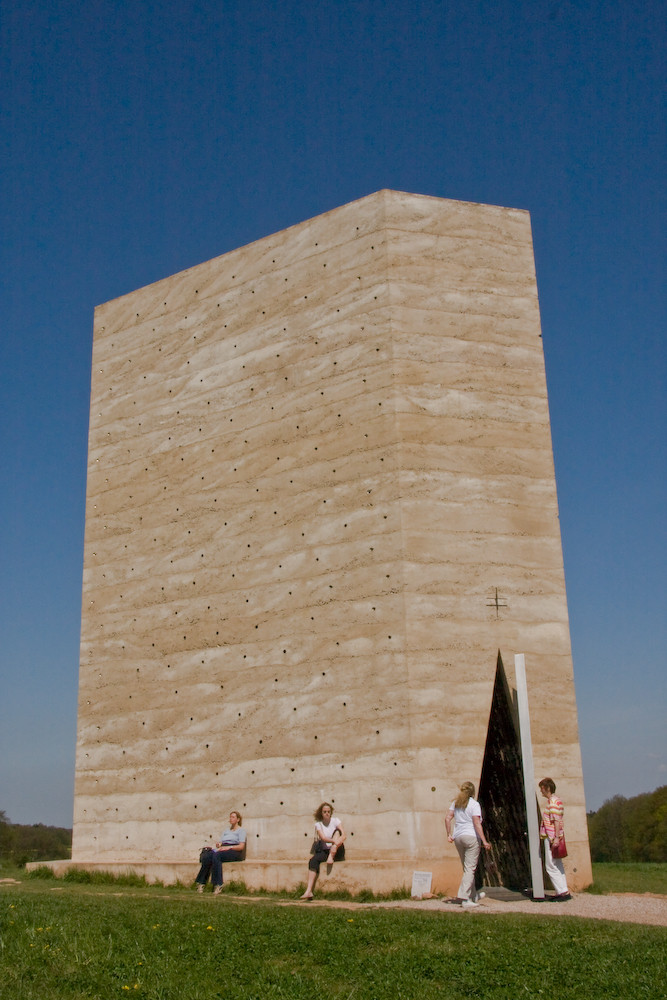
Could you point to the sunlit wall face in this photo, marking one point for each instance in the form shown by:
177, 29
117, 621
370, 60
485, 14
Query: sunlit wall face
320, 500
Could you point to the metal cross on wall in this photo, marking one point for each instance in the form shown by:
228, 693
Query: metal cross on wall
496, 603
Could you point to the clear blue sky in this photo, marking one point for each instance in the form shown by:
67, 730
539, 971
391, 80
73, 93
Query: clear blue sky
138, 139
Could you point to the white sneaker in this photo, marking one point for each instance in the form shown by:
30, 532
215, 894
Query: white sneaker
469, 904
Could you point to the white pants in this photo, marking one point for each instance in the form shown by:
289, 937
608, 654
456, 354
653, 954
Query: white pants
468, 848
554, 869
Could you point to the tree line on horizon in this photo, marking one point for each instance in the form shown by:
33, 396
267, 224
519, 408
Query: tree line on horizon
20, 843
621, 829
630, 829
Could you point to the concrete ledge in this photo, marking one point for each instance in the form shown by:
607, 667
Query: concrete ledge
355, 876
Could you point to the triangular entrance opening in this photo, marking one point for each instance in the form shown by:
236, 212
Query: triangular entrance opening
502, 797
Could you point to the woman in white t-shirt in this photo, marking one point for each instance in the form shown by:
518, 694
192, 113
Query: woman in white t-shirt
329, 839
466, 814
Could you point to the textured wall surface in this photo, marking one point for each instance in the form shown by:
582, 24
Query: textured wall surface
314, 463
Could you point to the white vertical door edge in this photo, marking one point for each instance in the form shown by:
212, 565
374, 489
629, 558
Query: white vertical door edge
528, 776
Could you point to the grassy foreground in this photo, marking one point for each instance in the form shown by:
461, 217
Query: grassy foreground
67, 942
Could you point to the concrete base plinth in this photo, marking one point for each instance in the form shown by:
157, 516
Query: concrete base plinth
355, 876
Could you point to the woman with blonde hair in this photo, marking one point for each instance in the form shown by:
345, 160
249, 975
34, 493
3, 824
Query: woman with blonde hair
466, 814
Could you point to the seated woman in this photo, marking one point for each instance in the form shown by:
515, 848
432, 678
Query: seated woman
230, 847
329, 847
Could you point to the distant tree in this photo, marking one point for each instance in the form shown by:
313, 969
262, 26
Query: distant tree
6, 836
605, 830
21, 843
630, 829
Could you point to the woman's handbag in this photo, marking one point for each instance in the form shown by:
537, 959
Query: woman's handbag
205, 854
558, 848
317, 845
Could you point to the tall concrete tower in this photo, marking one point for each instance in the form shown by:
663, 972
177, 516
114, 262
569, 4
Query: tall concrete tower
321, 500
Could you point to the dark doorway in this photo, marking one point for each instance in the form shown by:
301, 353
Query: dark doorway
501, 795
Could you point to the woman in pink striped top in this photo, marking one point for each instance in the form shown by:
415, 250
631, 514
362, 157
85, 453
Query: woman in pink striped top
551, 832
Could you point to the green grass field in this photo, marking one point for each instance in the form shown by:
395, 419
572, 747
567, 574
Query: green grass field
633, 876
68, 941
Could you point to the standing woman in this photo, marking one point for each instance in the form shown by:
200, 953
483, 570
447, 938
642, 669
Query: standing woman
329, 837
551, 832
466, 813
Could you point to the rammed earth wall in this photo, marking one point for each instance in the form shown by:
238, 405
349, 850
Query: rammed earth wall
321, 498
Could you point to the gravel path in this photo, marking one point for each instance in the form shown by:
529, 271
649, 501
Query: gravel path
625, 908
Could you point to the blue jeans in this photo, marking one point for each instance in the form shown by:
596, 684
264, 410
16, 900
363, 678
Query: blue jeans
212, 865
216, 864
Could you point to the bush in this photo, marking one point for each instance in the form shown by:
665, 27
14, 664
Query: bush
42, 872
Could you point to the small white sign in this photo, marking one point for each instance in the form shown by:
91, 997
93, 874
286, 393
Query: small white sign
421, 884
